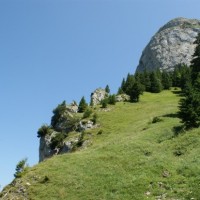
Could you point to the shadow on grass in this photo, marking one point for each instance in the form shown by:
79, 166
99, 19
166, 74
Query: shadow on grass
178, 92
178, 130
172, 115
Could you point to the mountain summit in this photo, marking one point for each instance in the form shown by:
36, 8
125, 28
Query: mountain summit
173, 44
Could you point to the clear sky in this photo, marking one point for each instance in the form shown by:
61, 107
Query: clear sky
55, 50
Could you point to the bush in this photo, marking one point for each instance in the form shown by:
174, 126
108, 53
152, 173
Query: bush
20, 168
104, 103
80, 139
87, 113
44, 130
94, 118
45, 179
57, 141
156, 119
58, 114
72, 124
112, 99
100, 132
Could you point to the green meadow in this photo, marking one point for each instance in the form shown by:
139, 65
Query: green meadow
139, 151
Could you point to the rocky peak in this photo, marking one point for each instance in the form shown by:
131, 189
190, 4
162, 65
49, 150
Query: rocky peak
173, 44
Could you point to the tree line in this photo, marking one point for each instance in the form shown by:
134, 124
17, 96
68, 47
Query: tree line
154, 81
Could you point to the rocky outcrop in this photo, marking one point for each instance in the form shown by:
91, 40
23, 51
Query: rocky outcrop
171, 45
122, 97
66, 145
98, 95
73, 107
44, 147
46, 151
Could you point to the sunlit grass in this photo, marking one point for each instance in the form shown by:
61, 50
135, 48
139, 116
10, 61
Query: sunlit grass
132, 159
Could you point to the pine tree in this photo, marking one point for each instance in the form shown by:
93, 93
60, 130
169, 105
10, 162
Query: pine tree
123, 85
195, 63
147, 81
120, 91
107, 89
129, 83
189, 109
135, 91
176, 76
156, 85
82, 105
20, 168
185, 72
166, 80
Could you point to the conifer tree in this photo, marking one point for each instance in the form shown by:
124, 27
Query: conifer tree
135, 91
82, 105
190, 108
190, 105
129, 83
123, 85
156, 85
107, 89
120, 91
166, 80
147, 81
195, 63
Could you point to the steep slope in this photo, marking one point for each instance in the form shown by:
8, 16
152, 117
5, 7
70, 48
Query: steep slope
129, 158
171, 45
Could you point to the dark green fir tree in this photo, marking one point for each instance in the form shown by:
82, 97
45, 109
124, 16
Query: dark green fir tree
82, 105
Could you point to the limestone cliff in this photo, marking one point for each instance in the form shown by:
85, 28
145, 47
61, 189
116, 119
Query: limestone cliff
171, 45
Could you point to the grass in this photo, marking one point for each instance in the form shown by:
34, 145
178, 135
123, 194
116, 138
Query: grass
132, 158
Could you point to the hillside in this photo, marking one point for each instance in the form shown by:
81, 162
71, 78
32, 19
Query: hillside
132, 158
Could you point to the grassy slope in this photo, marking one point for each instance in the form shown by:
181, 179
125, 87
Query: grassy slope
131, 159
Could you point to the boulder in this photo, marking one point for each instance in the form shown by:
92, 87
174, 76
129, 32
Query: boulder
98, 95
122, 98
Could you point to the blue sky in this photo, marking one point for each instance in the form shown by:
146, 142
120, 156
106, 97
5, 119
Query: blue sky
55, 50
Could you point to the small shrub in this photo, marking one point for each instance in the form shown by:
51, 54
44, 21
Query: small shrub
45, 179
147, 153
57, 141
156, 120
20, 168
80, 139
112, 99
44, 130
99, 132
87, 113
179, 151
104, 103
94, 118
72, 124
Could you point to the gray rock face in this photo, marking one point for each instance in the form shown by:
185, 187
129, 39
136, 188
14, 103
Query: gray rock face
68, 144
45, 150
73, 107
171, 45
98, 95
